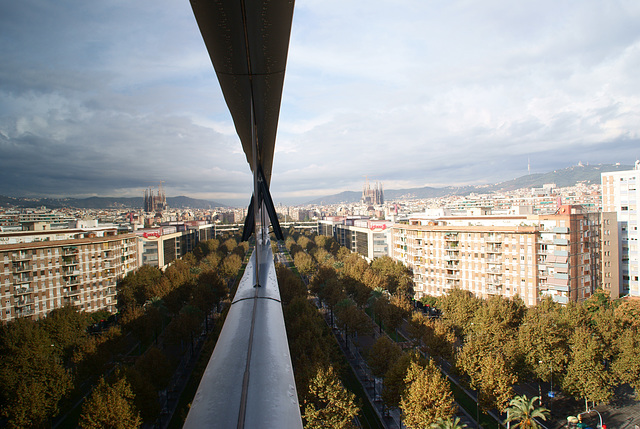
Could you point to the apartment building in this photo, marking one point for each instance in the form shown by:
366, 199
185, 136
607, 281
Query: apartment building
529, 256
620, 201
159, 247
369, 238
47, 269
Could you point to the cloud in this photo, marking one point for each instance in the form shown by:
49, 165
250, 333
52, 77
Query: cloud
101, 98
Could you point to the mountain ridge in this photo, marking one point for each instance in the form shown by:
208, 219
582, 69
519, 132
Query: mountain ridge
103, 202
562, 178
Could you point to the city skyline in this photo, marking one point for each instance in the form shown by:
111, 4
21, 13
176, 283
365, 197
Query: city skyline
103, 99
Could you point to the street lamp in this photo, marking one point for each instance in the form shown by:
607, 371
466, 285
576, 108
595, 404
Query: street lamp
601, 425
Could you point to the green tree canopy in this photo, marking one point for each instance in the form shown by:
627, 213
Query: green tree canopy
427, 396
586, 375
330, 404
383, 355
32, 374
110, 406
304, 263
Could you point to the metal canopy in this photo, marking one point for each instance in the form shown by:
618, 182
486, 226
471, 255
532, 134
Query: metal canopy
248, 41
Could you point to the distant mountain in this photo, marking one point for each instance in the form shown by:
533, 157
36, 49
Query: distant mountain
180, 202
562, 178
342, 197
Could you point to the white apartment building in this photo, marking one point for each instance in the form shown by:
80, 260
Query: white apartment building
369, 238
621, 195
47, 269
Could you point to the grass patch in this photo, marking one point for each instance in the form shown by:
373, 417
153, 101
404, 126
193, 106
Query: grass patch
367, 415
470, 406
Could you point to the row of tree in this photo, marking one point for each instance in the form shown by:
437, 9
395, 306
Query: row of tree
315, 358
348, 286
583, 349
46, 364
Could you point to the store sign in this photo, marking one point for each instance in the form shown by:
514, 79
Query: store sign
378, 226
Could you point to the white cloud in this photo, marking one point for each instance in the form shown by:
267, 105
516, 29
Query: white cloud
97, 98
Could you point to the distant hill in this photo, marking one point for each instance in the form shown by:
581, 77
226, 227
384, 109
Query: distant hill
562, 178
180, 202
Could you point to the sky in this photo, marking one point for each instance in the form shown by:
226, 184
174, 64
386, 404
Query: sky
108, 98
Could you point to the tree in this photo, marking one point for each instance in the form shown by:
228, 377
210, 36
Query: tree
352, 319
439, 340
228, 245
231, 266
383, 355
626, 366
489, 373
399, 278
427, 396
210, 290
451, 423
110, 406
459, 307
305, 243
330, 404
543, 340
32, 374
394, 383
304, 263
523, 410
586, 375
205, 248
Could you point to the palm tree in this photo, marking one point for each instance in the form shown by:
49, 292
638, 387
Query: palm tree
451, 423
523, 410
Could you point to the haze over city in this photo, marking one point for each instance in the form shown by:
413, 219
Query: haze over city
102, 99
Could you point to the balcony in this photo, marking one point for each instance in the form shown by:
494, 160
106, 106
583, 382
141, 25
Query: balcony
494, 239
492, 290
20, 256
25, 312
72, 282
23, 302
67, 261
69, 251
71, 272
494, 249
451, 237
21, 279
451, 257
22, 291
21, 268
71, 292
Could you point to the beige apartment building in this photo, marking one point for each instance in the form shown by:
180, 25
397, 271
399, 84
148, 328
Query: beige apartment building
48, 269
530, 256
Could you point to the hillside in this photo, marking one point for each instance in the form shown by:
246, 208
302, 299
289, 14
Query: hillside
103, 203
562, 178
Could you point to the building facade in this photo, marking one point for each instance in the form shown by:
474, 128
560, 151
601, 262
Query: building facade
621, 196
529, 256
44, 270
369, 238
